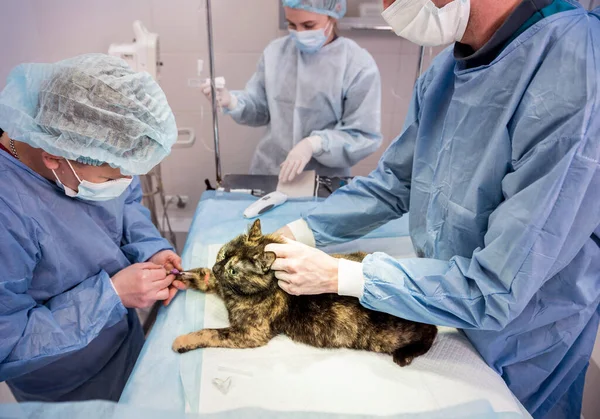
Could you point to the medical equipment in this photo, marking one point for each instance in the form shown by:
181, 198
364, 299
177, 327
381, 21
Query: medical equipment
211, 62
303, 185
143, 54
264, 204
259, 185
219, 82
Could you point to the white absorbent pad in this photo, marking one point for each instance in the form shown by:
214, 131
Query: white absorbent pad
287, 376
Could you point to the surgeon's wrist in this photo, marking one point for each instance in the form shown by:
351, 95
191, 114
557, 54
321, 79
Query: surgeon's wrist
316, 143
333, 276
114, 288
302, 232
350, 279
232, 103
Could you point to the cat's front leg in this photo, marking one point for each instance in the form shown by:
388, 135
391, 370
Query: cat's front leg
222, 338
201, 279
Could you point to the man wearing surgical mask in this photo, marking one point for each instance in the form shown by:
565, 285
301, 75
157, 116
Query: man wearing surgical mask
318, 94
498, 166
77, 249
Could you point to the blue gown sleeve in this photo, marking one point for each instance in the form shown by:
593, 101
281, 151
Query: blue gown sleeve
371, 201
549, 213
141, 239
252, 108
358, 133
35, 334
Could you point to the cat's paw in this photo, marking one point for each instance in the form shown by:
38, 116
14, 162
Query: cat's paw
198, 279
182, 344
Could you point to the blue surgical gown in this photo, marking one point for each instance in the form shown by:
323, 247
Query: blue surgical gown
64, 333
500, 168
334, 93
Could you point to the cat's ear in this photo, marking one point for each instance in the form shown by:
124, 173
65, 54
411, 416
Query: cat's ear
255, 233
266, 260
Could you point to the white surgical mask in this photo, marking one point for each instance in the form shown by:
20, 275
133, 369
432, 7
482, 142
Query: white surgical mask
422, 22
90, 191
310, 41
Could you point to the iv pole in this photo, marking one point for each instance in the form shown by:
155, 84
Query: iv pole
420, 64
211, 61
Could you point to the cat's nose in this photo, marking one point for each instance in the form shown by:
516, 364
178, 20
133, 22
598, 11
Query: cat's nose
217, 269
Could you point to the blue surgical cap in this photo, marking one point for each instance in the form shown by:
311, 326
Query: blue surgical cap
333, 8
93, 109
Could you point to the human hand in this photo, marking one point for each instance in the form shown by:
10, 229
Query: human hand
141, 284
304, 270
298, 158
169, 260
224, 98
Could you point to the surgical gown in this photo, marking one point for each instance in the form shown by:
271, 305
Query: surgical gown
64, 333
499, 166
334, 93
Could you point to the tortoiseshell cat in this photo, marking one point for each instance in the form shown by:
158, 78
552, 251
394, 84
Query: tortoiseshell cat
259, 310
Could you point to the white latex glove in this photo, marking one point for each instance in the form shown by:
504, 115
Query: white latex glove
304, 270
224, 98
298, 158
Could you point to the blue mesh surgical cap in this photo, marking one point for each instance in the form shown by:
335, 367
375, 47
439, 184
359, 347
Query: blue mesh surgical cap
333, 8
93, 109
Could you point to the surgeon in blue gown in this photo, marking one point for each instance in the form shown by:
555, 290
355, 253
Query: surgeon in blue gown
499, 165
78, 252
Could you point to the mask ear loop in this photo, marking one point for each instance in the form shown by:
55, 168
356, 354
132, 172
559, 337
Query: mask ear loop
73, 170
328, 27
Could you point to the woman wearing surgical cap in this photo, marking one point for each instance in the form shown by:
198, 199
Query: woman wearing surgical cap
77, 249
319, 95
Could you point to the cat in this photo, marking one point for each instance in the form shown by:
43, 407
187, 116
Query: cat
259, 310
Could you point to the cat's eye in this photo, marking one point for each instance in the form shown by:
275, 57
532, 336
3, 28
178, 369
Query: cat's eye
232, 271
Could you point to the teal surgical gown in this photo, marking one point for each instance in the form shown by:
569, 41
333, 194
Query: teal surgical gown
64, 333
334, 93
499, 167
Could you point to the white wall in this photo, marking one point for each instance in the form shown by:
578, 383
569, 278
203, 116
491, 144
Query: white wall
46, 31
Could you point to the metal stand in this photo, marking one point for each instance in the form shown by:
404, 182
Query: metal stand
211, 61
420, 64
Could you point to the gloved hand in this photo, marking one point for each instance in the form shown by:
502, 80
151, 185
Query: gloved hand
141, 284
169, 260
304, 270
224, 98
298, 158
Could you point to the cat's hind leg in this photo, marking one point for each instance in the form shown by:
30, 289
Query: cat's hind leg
404, 355
222, 338
201, 279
